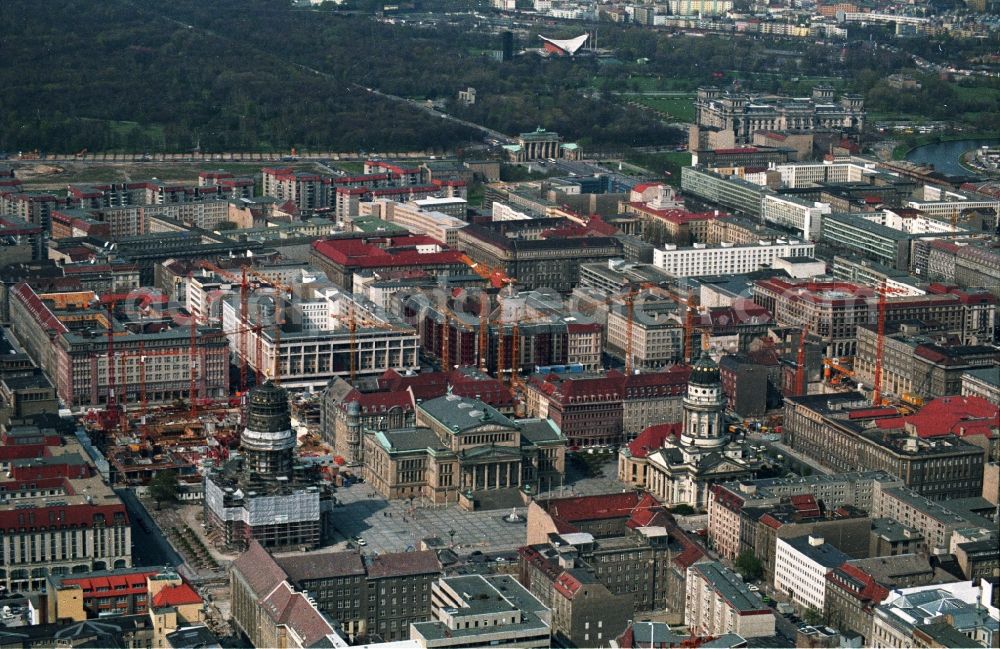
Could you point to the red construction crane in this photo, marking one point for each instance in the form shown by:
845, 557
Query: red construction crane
484, 331
243, 343
879, 348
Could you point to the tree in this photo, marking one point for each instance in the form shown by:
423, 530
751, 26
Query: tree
163, 487
226, 225
749, 566
682, 510
812, 616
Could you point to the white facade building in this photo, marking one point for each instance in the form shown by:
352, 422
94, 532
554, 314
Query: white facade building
800, 567
795, 214
726, 258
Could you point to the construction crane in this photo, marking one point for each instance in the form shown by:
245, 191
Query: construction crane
484, 331
114, 413
445, 340
246, 328
630, 321
800, 363
279, 321
883, 293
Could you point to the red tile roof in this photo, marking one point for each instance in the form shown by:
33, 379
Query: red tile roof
358, 253
871, 590
955, 415
676, 216
176, 596
60, 516
652, 438
567, 585
805, 505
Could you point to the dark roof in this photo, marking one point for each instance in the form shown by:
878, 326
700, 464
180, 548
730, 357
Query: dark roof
305, 567
399, 564
259, 569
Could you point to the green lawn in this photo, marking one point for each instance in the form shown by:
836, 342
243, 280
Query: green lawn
351, 167
680, 108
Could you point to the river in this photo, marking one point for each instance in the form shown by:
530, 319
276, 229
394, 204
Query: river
945, 156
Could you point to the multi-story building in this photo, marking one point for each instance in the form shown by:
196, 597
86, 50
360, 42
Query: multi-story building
907, 613
851, 597
377, 596
715, 150
978, 266
346, 413
529, 330
412, 216
59, 516
831, 309
32, 208
21, 241
67, 336
718, 602
341, 258
800, 567
584, 611
730, 535
731, 193
599, 408
700, 7
745, 384
805, 217
981, 382
726, 259
657, 332
625, 540
324, 333
845, 528
670, 224
611, 276
933, 520
521, 251
269, 612
915, 363
470, 610
125, 591
740, 231
462, 445
859, 235
841, 432
743, 114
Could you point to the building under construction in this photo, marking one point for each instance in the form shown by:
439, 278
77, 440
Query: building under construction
264, 494
102, 351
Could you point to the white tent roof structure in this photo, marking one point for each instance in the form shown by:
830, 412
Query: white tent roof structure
570, 45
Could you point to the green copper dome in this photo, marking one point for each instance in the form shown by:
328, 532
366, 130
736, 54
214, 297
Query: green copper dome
705, 371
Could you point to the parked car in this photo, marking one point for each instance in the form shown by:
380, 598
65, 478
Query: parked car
360, 541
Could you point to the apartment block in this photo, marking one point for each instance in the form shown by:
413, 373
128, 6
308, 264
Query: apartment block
800, 568
805, 217
727, 259
731, 193
718, 602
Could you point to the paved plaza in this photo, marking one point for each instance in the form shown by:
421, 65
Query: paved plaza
395, 526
